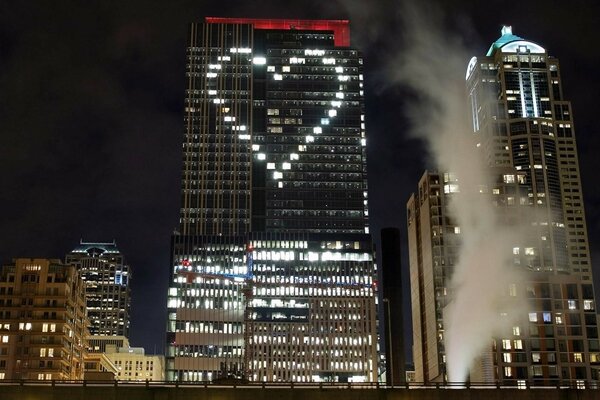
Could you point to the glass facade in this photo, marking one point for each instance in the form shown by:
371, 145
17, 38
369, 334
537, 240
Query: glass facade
521, 120
272, 276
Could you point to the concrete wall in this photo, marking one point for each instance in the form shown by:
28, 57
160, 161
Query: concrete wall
141, 392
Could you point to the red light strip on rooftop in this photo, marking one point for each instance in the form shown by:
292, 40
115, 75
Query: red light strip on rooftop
340, 27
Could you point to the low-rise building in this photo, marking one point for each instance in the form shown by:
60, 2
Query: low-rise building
134, 365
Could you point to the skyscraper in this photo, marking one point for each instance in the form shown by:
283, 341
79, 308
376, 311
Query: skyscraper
108, 294
524, 131
272, 274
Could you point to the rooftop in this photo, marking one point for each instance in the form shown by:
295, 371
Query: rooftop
340, 27
504, 42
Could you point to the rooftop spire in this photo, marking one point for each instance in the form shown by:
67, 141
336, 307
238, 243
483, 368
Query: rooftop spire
506, 30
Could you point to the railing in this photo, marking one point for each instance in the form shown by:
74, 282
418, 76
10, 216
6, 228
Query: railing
558, 384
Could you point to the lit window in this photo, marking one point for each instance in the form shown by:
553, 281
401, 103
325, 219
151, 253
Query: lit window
507, 357
451, 188
505, 344
547, 317
532, 317
516, 331
572, 304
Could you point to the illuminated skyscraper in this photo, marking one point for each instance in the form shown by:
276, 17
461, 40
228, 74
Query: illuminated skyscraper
107, 290
524, 130
272, 269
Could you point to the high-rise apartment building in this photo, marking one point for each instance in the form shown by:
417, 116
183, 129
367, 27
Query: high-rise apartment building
108, 294
524, 131
272, 274
43, 324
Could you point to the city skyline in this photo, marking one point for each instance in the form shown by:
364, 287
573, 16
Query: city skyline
104, 185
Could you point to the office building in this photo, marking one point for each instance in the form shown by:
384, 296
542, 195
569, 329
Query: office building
107, 278
43, 324
133, 364
272, 275
523, 129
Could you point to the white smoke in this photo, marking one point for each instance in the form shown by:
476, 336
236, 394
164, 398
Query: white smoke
431, 64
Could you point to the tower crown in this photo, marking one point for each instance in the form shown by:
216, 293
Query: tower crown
510, 43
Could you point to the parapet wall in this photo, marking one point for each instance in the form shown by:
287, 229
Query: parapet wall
172, 392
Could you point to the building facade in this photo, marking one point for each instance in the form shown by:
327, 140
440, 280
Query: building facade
133, 364
43, 321
107, 278
524, 131
273, 247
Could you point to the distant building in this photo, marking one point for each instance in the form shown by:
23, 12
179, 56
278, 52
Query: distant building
43, 324
393, 306
107, 280
98, 343
133, 364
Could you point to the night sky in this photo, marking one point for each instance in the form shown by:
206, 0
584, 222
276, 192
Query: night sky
91, 118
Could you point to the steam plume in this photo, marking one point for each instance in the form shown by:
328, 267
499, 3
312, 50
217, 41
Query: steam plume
432, 65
